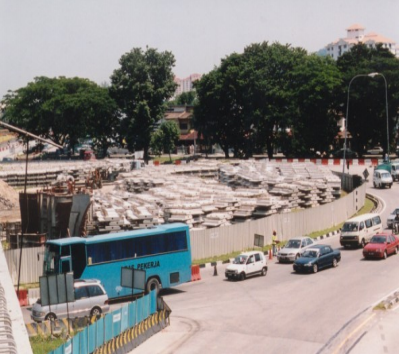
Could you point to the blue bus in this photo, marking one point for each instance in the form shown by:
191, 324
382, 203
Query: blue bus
163, 252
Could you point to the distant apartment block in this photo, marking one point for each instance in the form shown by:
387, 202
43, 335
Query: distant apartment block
356, 35
186, 84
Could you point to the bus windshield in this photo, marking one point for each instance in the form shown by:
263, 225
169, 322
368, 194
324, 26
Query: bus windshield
350, 226
51, 259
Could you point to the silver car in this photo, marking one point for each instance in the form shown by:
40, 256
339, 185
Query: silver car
391, 218
90, 300
294, 248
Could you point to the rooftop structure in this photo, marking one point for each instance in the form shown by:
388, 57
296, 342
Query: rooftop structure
355, 35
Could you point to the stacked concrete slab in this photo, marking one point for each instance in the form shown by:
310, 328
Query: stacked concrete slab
201, 194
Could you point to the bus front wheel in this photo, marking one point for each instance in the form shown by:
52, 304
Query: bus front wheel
153, 284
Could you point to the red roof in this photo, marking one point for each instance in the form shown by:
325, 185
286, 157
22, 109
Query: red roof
189, 136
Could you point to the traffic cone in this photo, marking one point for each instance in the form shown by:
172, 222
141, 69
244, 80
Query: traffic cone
215, 271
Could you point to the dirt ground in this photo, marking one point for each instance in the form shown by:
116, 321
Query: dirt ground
9, 203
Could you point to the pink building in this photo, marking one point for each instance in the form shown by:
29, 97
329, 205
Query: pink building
186, 84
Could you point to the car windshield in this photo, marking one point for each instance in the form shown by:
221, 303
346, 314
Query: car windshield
385, 175
310, 254
241, 259
293, 244
378, 239
396, 211
350, 226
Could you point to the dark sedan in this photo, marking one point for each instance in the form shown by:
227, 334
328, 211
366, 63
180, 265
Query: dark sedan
317, 257
349, 154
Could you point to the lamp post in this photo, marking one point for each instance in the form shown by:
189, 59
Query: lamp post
347, 113
386, 106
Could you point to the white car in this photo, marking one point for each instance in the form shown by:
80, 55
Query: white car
376, 150
294, 248
91, 300
247, 264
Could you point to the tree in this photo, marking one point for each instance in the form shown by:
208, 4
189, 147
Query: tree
269, 93
165, 138
246, 100
186, 98
141, 86
367, 122
218, 113
313, 123
63, 109
157, 142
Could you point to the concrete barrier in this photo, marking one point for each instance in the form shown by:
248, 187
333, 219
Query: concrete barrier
195, 273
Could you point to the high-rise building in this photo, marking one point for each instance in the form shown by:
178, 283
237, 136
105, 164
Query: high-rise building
356, 35
186, 84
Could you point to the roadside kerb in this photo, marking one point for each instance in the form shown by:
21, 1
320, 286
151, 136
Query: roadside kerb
230, 260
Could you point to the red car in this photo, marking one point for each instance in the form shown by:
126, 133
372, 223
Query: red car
381, 246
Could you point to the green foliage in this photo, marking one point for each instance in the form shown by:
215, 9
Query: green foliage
367, 116
141, 86
165, 138
184, 99
63, 110
45, 344
249, 98
157, 142
313, 121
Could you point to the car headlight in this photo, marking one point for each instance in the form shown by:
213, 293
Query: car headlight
379, 250
236, 271
309, 264
291, 254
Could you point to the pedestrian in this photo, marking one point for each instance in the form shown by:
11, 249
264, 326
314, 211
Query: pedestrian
274, 242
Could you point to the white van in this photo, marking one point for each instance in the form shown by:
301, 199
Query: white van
382, 178
395, 171
359, 230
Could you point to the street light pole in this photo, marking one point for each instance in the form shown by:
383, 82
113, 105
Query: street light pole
386, 106
347, 113
346, 120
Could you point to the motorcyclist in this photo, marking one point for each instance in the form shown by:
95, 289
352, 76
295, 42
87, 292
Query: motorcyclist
396, 223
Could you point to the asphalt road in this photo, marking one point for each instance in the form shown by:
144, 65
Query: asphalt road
283, 312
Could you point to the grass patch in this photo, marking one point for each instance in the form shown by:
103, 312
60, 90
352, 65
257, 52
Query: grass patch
5, 245
380, 307
368, 206
29, 286
44, 344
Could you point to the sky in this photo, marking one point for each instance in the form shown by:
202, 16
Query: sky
86, 38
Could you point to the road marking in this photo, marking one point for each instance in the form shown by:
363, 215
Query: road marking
353, 332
